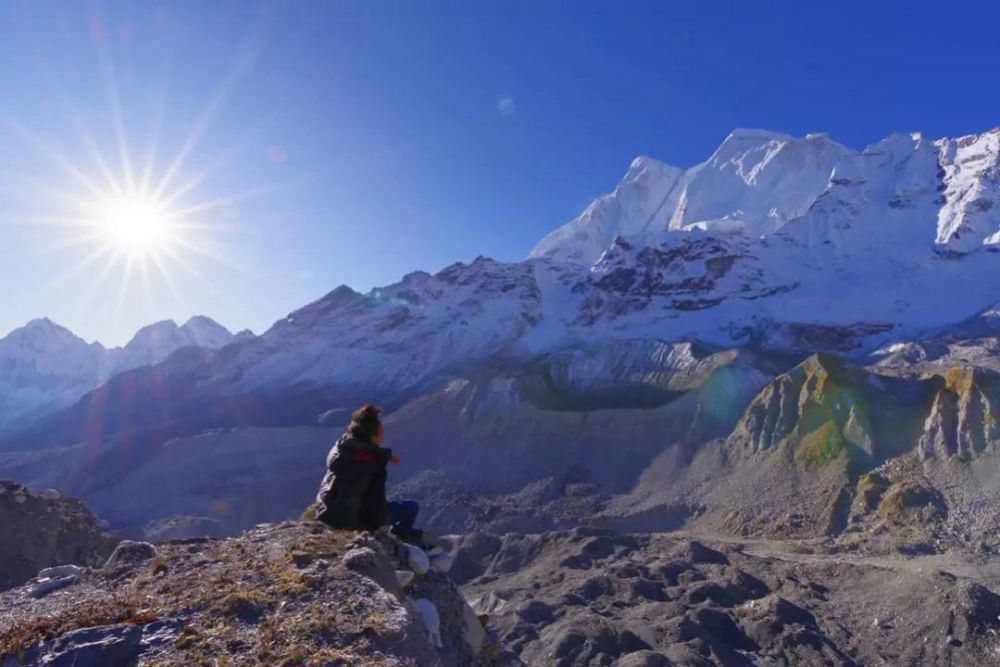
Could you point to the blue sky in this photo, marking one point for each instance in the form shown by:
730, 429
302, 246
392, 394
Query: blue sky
354, 142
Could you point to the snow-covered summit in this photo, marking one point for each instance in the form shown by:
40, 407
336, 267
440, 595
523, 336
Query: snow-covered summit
755, 182
43, 362
758, 183
206, 332
157, 341
44, 343
630, 210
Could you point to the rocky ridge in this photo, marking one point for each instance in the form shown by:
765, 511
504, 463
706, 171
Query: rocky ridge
280, 594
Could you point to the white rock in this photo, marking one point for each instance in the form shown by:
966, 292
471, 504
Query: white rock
61, 571
442, 562
418, 560
46, 586
50, 494
432, 621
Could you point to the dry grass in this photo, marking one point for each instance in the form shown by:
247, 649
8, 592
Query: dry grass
271, 597
16, 639
244, 605
159, 565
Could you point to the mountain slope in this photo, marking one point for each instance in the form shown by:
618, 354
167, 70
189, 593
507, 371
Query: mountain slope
774, 241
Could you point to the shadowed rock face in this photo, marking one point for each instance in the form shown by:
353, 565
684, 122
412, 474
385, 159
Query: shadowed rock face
42, 530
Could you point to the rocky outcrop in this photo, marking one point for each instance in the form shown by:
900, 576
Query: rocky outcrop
293, 593
963, 419
827, 410
41, 530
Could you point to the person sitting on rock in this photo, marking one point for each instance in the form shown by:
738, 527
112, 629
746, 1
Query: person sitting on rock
352, 494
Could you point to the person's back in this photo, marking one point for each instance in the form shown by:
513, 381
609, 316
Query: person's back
352, 494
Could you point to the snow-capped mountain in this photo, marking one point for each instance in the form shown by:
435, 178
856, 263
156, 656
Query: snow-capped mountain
44, 366
758, 183
155, 342
755, 182
774, 241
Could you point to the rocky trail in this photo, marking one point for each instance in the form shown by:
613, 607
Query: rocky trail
984, 569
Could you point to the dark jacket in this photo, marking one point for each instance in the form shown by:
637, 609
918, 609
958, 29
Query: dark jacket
352, 494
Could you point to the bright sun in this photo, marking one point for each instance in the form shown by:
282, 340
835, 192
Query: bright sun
135, 215
133, 225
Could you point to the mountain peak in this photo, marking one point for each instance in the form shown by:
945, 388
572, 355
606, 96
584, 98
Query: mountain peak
155, 342
631, 209
754, 182
206, 332
45, 324
43, 333
643, 162
156, 327
755, 134
201, 321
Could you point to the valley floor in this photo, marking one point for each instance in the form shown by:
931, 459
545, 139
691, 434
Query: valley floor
587, 597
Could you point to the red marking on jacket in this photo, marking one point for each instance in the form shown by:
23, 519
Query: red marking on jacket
363, 456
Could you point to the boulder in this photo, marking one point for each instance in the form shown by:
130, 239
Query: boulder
130, 554
374, 565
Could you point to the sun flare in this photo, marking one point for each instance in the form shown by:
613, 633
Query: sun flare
134, 225
133, 222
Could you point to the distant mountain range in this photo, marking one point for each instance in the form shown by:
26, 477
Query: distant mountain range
654, 356
44, 366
